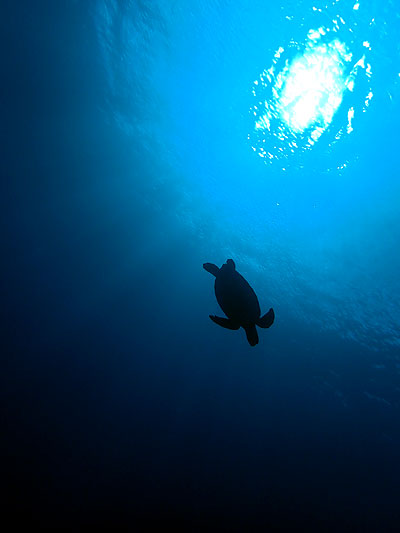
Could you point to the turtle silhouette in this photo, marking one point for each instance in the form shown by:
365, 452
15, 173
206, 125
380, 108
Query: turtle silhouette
238, 301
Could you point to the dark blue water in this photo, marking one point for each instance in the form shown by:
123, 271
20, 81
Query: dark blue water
140, 140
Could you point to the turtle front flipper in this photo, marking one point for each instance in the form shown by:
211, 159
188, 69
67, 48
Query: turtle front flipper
227, 323
267, 320
211, 268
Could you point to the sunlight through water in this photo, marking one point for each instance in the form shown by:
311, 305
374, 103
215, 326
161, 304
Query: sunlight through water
312, 88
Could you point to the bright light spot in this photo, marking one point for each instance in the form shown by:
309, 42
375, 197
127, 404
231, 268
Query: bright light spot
313, 87
316, 134
263, 123
360, 62
297, 98
313, 34
350, 116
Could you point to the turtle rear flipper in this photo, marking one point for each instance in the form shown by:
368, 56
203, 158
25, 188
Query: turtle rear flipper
252, 335
267, 320
211, 268
225, 322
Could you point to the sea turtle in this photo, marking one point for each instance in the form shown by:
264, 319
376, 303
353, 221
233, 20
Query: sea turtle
238, 301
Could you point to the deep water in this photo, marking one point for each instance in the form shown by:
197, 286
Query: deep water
141, 139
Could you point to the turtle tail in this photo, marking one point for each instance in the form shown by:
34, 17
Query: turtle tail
251, 334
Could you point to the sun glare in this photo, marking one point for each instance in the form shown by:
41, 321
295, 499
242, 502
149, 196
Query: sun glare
298, 97
313, 87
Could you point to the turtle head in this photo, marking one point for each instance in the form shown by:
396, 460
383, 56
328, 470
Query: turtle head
230, 265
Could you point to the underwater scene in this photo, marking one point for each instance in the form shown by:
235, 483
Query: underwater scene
201, 264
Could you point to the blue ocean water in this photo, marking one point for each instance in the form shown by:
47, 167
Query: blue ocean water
140, 140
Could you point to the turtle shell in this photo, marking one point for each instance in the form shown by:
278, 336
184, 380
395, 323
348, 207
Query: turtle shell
235, 296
